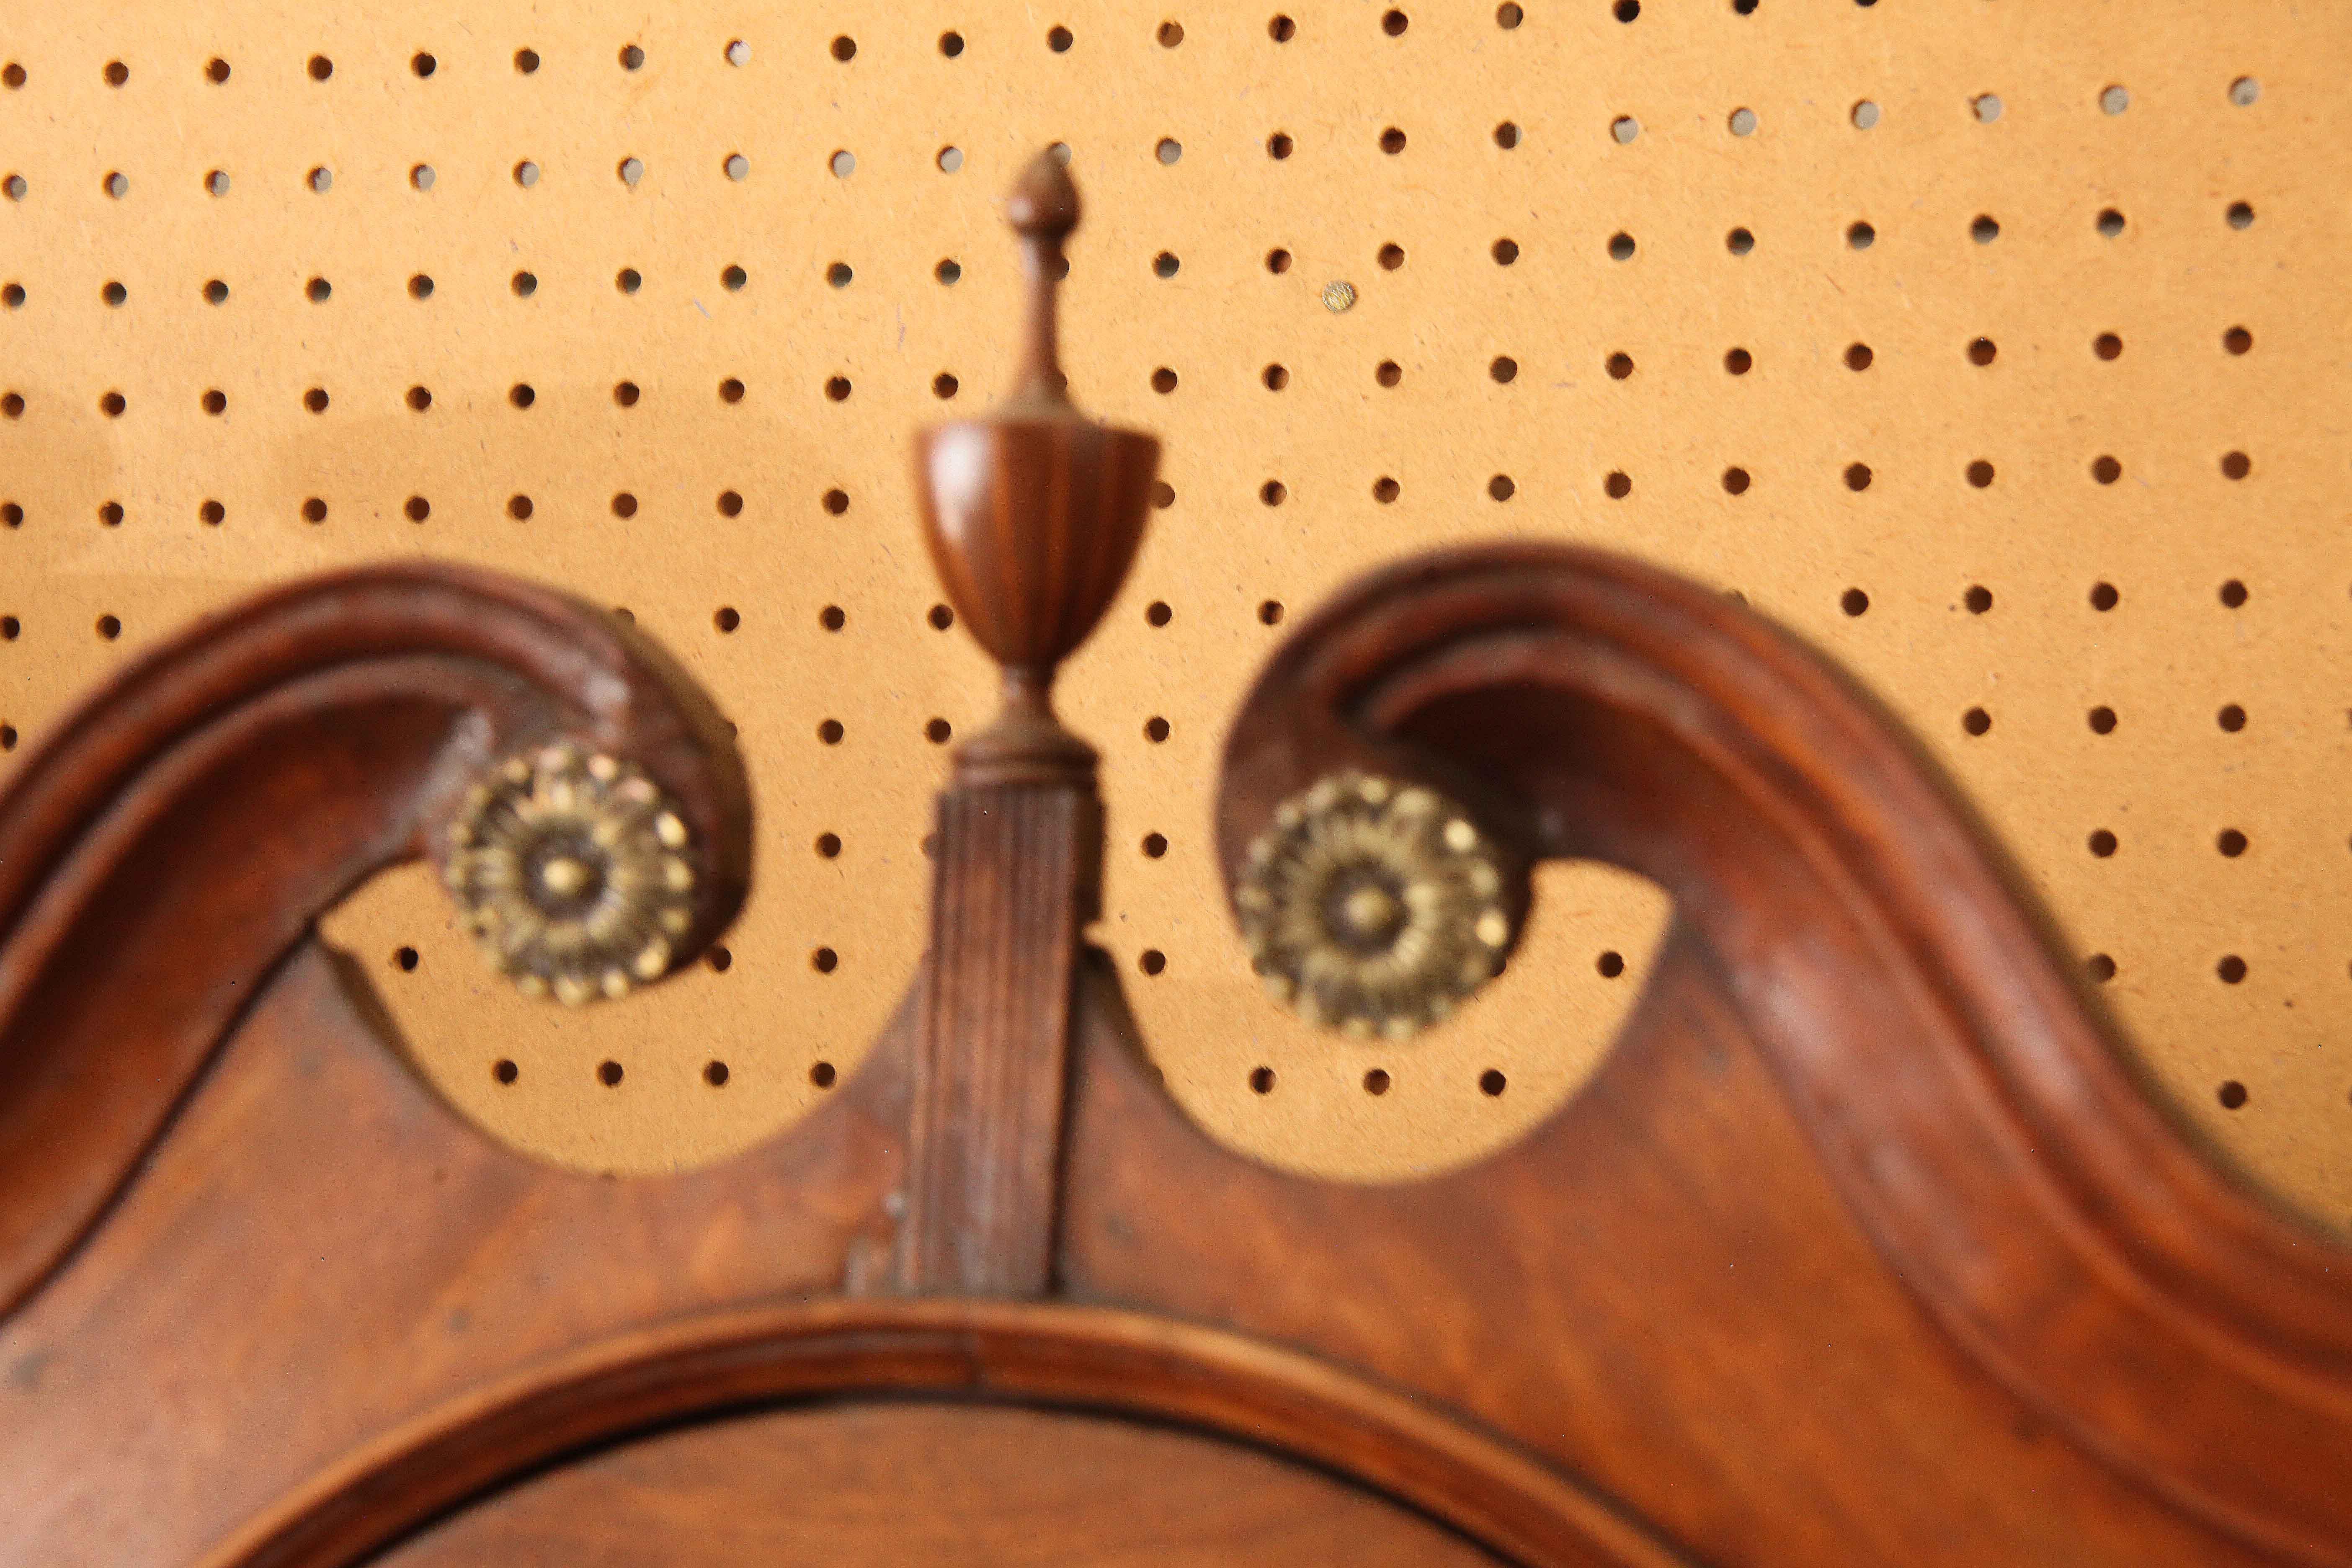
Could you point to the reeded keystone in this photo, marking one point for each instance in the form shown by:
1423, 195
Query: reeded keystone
1032, 513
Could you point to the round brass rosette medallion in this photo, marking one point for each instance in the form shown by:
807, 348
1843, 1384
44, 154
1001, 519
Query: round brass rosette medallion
1373, 907
575, 872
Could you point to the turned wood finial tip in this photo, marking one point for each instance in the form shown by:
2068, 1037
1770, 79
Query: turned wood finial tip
1045, 205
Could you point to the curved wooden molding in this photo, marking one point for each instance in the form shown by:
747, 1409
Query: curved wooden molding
1969, 1103
172, 837
1084, 1357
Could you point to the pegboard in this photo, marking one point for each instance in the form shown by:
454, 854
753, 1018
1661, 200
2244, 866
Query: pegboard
2000, 349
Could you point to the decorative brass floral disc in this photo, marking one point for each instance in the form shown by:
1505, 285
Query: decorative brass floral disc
1372, 907
574, 871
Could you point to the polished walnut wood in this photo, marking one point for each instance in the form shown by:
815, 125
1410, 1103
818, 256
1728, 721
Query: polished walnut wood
1033, 515
1864, 1245
829, 1486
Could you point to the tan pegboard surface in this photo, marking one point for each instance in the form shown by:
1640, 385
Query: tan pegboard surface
2185, 712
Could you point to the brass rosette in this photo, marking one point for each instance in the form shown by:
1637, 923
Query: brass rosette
1373, 907
575, 872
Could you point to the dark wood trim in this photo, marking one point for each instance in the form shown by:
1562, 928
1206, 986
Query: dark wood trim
1969, 1098
176, 834
1084, 1357
1013, 883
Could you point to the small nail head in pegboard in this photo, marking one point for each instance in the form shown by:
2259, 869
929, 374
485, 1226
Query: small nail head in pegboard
1879, 308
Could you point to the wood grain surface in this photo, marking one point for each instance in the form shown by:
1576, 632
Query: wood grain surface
928, 1485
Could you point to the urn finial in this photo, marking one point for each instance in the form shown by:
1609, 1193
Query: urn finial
1032, 513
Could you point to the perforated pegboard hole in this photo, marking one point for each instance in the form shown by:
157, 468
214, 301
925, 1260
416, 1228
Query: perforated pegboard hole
1618, 485
1739, 361
1739, 242
1976, 721
1858, 356
2102, 721
1978, 599
2105, 596
727, 618
2231, 718
2241, 214
1154, 845
2113, 99
1278, 260
419, 398
1983, 351
1158, 613
2108, 345
1735, 480
1059, 39
938, 732
110, 627
1507, 135
417, 509
217, 183
1385, 490
321, 67
822, 1074
1377, 1083
2102, 844
2237, 341
2230, 970
110, 515
1261, 1080
2111, 222
211, 514
824, 960
1863, 115
941, 617
504, 1071
1854, 601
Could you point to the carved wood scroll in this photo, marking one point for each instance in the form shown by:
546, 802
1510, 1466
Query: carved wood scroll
1863, 1247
